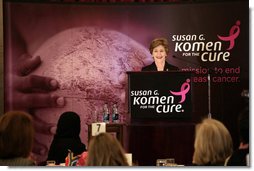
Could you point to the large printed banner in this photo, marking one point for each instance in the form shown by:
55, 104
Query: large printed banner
75, 56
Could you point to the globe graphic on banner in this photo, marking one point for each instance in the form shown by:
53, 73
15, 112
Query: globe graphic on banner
90, 64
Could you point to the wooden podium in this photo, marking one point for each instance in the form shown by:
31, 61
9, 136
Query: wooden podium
157, 130
149, 142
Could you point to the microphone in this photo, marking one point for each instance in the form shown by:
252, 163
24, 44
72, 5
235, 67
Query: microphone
191, 62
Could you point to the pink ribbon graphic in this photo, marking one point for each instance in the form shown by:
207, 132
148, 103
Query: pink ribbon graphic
184, 90
233, 34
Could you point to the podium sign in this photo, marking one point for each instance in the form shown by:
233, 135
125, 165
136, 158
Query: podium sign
159, 95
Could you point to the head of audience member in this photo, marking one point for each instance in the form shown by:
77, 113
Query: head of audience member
66, 138
243, 126
213, 143
16, 138
68, 125
105, 150
240, 156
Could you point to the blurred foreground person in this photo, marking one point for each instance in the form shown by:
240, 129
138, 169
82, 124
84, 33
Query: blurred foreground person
213, 143
105, 150
16, 139
240, 157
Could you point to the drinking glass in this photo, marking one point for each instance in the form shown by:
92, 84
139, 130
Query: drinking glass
161, 162
170, 162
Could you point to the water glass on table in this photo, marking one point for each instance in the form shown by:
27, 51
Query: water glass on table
161, 162
170, 162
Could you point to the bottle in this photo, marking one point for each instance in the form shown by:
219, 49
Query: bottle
105, 113
95, 116
115, 115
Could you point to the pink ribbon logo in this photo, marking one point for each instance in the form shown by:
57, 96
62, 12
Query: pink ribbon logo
184, 90
233, 34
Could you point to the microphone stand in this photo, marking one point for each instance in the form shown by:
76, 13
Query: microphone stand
208, 81
209, 95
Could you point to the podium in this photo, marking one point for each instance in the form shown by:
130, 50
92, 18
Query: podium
160, 106
149, 142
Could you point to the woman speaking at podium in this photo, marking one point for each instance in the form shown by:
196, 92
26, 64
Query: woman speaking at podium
159, 49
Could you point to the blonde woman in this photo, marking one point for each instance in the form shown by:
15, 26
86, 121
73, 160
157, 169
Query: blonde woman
105, 150
213, 143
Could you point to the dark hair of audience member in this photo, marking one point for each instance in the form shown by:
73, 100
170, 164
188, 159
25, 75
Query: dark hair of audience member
240, 156
243, 126
66, 138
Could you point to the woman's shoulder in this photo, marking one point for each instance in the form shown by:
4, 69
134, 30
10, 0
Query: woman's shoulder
170, 67
151, 67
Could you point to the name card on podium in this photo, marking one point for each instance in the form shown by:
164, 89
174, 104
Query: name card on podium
98, 127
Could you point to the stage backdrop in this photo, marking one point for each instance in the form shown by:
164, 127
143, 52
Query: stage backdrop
88, 48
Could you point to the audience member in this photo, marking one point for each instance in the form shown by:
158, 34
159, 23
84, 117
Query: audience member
213, 143
105, 150
16, 139
239, 157
66, 138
